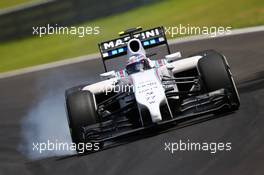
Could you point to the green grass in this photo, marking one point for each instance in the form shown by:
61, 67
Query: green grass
11, 3
34, 50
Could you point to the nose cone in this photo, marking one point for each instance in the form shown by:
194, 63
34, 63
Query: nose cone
134, 47
155, 114
149, 92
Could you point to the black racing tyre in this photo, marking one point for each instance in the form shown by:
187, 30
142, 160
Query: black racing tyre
215, 74
81, 110
74, 89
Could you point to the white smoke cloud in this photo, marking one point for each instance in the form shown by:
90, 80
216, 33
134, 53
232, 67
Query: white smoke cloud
46, 121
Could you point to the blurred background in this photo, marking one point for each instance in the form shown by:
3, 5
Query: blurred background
19, 48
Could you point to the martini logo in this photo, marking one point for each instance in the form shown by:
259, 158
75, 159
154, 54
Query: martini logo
122, 41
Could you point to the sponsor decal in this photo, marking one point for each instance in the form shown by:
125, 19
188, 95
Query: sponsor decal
122, 41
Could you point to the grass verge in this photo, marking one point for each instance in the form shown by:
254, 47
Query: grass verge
11, 3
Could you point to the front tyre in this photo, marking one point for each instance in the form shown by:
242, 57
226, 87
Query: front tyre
215, 74
81, 108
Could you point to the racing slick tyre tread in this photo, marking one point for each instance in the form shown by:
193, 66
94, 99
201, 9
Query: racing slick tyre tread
81, 112
215, 74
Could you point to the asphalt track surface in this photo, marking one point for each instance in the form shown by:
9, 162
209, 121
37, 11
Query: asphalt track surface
42, 94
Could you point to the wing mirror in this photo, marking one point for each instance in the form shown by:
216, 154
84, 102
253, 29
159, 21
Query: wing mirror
108, 75
173, 57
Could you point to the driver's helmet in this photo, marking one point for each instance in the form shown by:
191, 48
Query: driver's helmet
137, 63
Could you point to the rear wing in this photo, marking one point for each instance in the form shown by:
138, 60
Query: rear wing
118, 47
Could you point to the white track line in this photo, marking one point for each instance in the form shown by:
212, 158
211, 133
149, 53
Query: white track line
95, 56
49, 65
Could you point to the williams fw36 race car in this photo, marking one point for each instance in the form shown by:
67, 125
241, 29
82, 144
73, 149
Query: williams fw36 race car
149, 95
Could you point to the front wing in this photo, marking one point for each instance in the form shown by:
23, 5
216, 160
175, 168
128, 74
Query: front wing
195, 109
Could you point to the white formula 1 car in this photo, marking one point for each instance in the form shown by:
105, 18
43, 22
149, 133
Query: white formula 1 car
149, 95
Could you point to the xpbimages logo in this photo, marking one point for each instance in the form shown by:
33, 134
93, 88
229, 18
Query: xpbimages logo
64, 146
212, 147
80, 31
212, 31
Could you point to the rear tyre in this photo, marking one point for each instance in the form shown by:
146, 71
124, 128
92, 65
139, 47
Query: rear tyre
81, 108
215, 74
